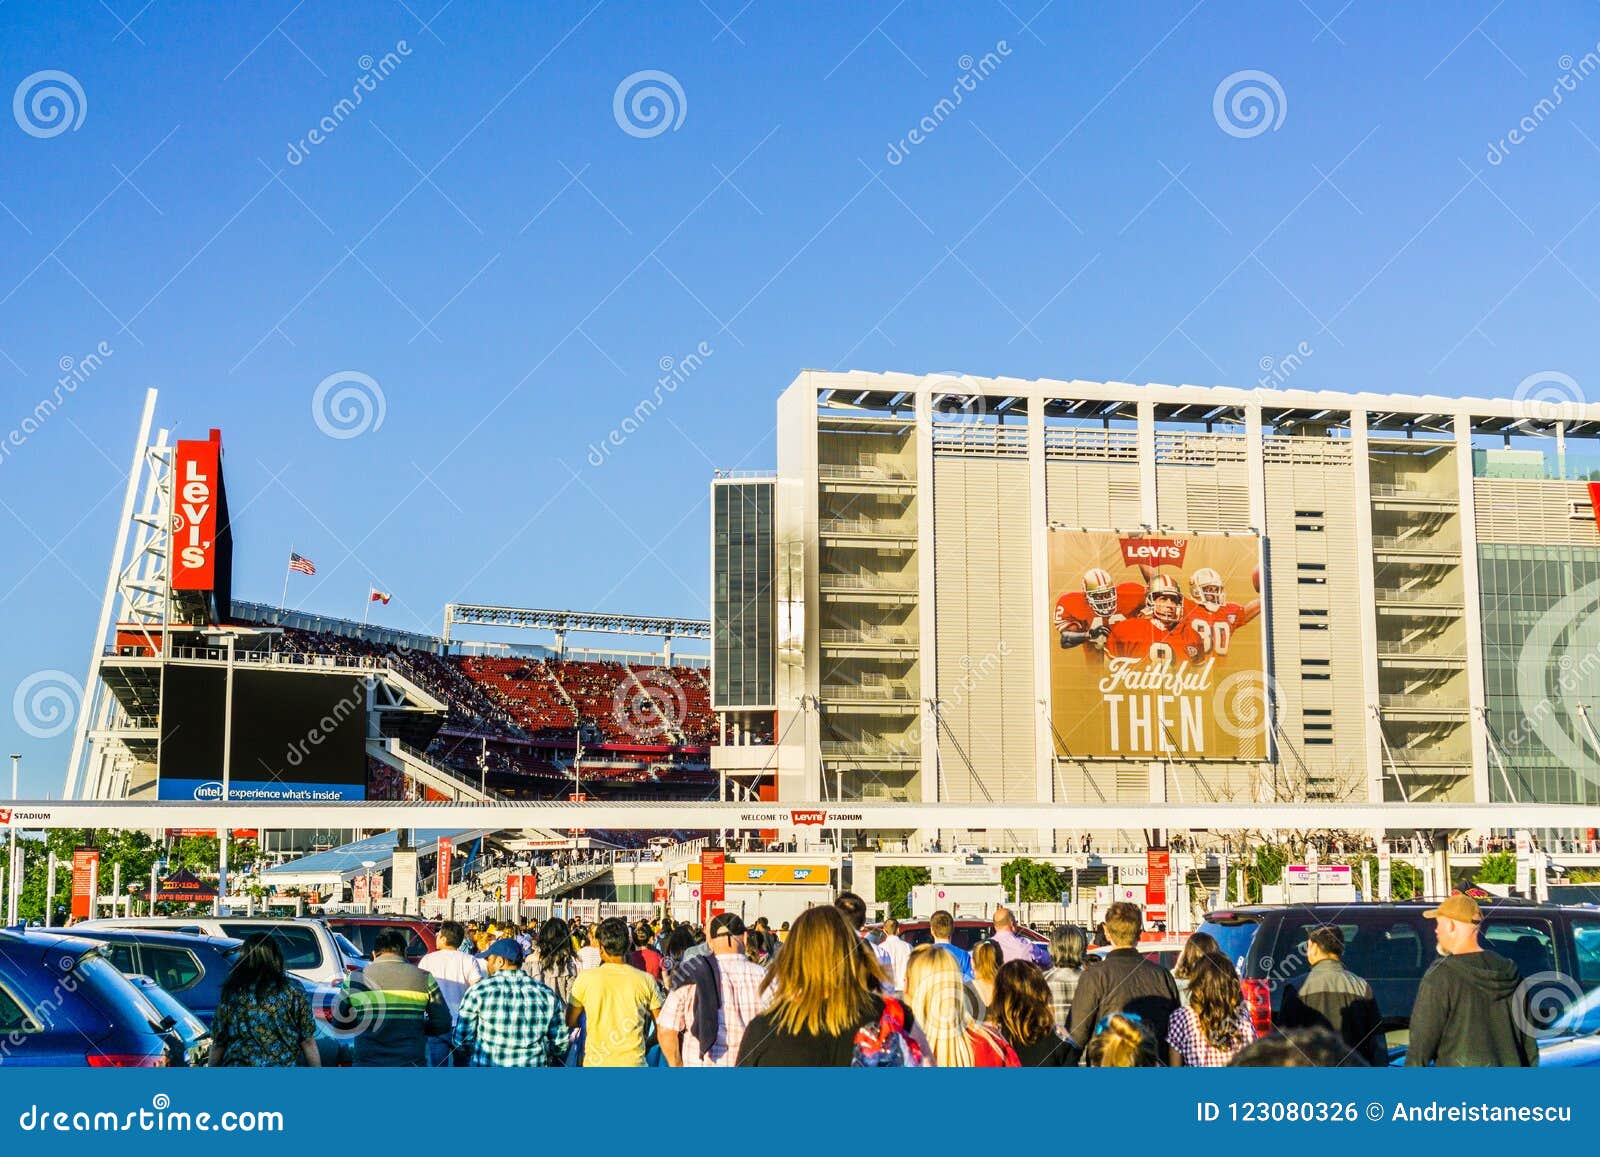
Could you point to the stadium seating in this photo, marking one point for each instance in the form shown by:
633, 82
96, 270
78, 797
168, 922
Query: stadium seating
524, 716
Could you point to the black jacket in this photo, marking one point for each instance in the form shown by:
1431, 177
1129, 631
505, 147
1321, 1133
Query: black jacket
1334, 998
1471, 1011
1123, 981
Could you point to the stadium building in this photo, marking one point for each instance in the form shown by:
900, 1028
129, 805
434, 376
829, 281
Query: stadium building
962, 589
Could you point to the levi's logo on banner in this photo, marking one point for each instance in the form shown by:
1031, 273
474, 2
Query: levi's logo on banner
5, 815
1153, 551
808, 817
194, 515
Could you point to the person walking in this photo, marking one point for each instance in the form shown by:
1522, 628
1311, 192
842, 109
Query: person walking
644, 957
986, 961
955, 1039
1211, 1029
1198, 945
1068, 947
454, 971
713, 1000
616, 1003
893, 953
1123, 981
392, 1006
941, 926
263, 1019
554, 961
509, 1019
1012, 946
1022, 1013
1334, 998
827, 1010
1470, 1010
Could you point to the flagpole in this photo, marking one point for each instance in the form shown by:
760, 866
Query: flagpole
367, 610
283, 599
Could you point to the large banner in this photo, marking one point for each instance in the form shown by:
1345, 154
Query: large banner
196, 469
1158, 650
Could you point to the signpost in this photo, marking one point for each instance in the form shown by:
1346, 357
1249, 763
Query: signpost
442, 869
85, 881
713, 881
1158, 866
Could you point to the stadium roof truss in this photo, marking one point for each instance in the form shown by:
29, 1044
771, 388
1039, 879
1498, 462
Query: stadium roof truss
596, 622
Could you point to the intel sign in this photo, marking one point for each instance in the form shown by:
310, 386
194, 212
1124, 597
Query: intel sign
210, 790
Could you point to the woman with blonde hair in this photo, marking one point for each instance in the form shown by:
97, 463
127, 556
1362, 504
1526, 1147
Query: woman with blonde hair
955, 1040
825, 1011
1121, 1041
986, 961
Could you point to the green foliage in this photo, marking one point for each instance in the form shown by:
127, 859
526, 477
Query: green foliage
1497, 868
1584, 875
893, 883
1041, 883
136, 852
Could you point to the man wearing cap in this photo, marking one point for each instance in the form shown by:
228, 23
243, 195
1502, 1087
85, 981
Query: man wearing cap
508, 1019
1471, 1010
713, 998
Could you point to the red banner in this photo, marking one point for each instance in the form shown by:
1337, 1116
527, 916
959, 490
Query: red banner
713, 875
1158, 863
445, 849
195, 473
85, 873
1154, 551
1594, 501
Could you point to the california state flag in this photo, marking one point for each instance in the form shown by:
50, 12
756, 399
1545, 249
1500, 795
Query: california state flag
378, 596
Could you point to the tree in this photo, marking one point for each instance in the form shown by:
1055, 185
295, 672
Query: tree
1497, 868
1041, 883
892, 885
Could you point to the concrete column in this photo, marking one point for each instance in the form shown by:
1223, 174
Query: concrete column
1038, 506
1472, 613
1366, 586
927, 631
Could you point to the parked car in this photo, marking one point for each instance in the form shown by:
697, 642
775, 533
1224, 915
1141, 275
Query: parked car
310, 948
362, 931
189, 1045
63, 1003
191, 967
968, 934
1391, 945
1164, 951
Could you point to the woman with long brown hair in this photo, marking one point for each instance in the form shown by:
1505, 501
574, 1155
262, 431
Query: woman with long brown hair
1021, 1012
824, 1011
1199, 945
1215, 1024
986, 959
938, 1000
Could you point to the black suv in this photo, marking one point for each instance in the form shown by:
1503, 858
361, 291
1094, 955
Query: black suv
1391, 945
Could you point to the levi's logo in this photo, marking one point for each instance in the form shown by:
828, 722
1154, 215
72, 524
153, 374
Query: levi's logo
808, 817
1154, 551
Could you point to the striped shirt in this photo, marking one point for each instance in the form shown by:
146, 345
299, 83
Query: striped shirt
510, 1020
394, 1007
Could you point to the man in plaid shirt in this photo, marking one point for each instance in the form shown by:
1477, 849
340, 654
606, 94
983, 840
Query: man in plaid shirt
715, 997
509, 1019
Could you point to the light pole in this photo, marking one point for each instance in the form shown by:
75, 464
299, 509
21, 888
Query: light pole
13, 869
367, 866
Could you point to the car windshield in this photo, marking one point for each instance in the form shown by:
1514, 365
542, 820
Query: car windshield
348, 948
1233, 939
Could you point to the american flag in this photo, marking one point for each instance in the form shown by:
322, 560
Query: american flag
301, 563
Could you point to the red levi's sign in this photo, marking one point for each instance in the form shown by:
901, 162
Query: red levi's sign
800, 816
195, 467
1153, 551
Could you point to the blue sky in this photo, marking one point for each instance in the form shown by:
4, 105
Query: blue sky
486, 241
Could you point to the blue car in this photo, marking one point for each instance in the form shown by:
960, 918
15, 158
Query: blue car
191, 968
64, 1004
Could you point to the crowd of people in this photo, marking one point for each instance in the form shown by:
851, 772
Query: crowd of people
827, 991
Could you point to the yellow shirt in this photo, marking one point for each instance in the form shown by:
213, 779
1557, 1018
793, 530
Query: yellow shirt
617, 1001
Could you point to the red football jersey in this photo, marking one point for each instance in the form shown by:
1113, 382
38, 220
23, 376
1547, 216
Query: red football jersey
1073, 610
1214, 629
1145, 638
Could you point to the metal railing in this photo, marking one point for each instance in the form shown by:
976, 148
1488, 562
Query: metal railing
878, 527
866, 582
835, 636
1417, 543
865, 473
